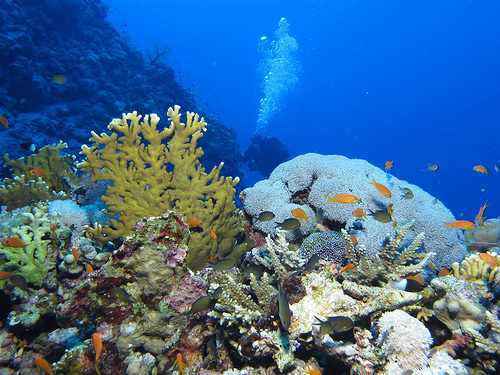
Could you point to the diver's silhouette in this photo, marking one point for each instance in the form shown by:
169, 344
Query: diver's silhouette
265, 154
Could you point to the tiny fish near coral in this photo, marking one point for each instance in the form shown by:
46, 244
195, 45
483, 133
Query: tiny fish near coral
300, 214
14, 242
290, 224
481, 169
461, 224
389, 165
265, 216
97, 341
381, 188
43, 365
343, 198
284, 309
359, 213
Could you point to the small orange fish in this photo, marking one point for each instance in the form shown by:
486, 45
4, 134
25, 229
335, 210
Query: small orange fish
194, 223
347, 268
461, 224
76, 254
43, 365
4, 122
53, 227
431, 266
300, 214
417, 279
38, 172
311, 370
481, 169
180, 363
389, 208
489, 259
389, 165
359, 213
343, 198
444, 272
88, 268
97, 341
354, 240
394, 223
4, 275
381, 188
212, 234
480, 216
14, 242
433, 168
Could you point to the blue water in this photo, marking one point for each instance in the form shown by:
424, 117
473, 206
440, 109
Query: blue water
413, 82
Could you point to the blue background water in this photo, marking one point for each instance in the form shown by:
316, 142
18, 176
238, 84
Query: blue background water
413, 82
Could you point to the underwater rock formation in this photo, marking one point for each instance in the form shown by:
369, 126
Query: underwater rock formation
308, 180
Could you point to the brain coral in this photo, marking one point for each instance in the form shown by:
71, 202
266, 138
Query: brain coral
329, 246
307, 180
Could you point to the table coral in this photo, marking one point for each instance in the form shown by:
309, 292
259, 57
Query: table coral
153, 171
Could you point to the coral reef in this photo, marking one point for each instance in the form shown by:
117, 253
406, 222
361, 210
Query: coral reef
406, 343
391, 263
34, 260
149, 177
307, 180
330, 246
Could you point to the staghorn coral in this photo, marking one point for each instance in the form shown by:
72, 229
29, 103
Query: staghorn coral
308, 179
150, 177
33, 261
391, 263
278, 257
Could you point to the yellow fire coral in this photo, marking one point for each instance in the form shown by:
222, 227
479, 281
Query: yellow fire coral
155, 171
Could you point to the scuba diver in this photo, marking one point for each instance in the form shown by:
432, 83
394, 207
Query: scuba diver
265, 154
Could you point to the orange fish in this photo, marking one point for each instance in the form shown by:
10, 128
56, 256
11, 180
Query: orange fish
394, 223
300, 214
354, 240
480, 216
4, 122
38, 172
381, 188
43, 365
433, 168
461, 224
444, 272
88, 268
481, 169
76, 254
347, 268
389, 208
343, 198
389, 165
15, 242
431, 266
212, 234
53, 227
311, 370
359, 213
180, 363
194, 223
4, 275
489, 259
97, 341
417, 279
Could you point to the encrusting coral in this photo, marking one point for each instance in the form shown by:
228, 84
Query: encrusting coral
150, 177
34, 260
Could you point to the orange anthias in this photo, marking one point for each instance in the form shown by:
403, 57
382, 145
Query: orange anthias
346, 268
480, 216
180, 363
381, 188
433, 168
194, 223
75, 252
389, 165
4, 122
38, 172
481, 169
359, 213
461, 224
96, 340
43, 365
300, 214
4, 275
343, 198
15, 242
489, 259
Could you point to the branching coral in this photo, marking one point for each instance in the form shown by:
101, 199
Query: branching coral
33, 261
391, 263
150, 177
279, 257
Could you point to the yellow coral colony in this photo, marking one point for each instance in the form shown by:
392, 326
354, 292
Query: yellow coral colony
152, 172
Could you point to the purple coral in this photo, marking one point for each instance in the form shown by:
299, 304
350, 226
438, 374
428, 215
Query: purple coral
330, 246
176, 257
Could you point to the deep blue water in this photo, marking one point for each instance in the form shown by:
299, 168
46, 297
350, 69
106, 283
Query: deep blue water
416, 82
